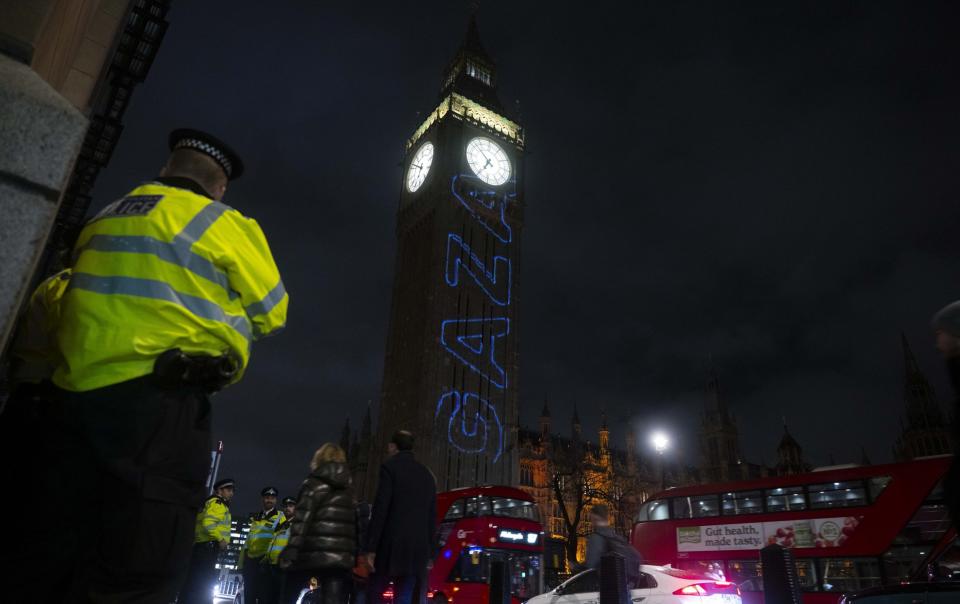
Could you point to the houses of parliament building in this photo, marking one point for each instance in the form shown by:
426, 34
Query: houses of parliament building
557, 460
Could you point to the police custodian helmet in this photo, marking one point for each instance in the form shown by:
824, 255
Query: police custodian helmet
209, 145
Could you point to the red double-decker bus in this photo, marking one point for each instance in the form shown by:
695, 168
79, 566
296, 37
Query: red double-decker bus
477, 526
849, 527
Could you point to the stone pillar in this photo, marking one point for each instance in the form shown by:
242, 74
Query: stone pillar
51, 53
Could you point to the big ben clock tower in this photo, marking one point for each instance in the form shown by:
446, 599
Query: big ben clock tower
450, 373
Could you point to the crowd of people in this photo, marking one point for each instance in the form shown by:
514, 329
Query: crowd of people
112, 369
324, 546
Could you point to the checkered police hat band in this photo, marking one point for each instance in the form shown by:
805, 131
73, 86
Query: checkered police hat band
207, 148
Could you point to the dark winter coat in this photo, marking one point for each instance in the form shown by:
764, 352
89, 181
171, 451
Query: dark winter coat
604, 539
402, 531
323, 532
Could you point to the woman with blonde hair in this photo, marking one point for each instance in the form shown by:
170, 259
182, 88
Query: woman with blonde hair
323, 541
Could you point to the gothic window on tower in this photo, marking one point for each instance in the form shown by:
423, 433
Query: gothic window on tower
526, 475
479, 73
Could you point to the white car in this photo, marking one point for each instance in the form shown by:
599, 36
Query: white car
657, 585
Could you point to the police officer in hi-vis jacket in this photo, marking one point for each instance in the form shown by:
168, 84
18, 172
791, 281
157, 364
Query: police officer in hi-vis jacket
170, 288
211, 539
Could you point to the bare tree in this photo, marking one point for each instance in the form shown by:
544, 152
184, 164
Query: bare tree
624, 496
575, 487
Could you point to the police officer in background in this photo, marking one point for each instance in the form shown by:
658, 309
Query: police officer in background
256, 567
281, 537
212, 538
170, 287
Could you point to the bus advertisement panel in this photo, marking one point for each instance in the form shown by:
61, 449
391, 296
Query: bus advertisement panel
849, 528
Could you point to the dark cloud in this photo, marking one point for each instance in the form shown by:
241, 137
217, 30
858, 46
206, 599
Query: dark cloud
773, 185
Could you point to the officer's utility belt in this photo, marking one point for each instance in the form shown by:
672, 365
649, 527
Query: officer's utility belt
176, 369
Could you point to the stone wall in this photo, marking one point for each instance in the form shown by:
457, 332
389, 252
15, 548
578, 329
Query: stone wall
51, 56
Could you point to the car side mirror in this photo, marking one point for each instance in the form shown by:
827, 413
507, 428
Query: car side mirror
558, 590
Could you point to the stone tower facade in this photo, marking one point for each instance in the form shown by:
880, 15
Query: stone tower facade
720, 459
790, 455
924, 431
451, 367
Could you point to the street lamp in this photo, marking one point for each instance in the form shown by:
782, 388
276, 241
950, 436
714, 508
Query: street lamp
660, 443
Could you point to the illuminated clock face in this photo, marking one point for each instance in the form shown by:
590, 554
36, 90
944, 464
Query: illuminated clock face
488, 161
419, 167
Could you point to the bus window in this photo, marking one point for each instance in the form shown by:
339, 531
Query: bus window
786, 499
915, 541
455, 511
478, 506
515, 508
877, 485
472, 566
807, 574
837, 494
655, 509
849, 574
524, 575
698, 506
742, 502
746, 574
443, 532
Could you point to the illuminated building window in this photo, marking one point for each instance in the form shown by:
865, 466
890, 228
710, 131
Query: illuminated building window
479, 73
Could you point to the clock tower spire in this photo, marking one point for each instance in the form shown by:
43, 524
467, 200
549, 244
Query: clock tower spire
472, 72
451, 371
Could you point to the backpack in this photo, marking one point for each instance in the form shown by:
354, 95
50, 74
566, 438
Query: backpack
631, 557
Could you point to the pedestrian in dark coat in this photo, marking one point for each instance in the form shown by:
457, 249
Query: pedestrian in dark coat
323, 542
401, 537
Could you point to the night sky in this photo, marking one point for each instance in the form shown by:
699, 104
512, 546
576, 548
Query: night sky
774, 187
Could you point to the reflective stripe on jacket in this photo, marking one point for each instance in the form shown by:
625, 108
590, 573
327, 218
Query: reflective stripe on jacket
281, 537
163, 268
262, 528
213, 521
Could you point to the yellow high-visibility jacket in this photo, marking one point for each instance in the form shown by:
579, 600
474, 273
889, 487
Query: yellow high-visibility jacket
213, 521
262, 527
165, 267
281, 537
34, 349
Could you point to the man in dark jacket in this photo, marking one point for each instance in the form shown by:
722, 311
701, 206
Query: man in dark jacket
401, 538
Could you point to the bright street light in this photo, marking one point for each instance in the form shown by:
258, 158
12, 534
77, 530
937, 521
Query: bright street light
660, 442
